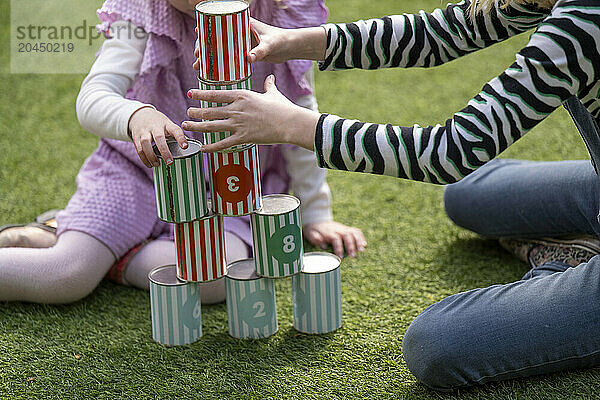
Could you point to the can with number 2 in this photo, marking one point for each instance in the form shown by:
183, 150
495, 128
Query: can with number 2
250, 302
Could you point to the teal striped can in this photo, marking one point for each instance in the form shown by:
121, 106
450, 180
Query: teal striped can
213, 137
180, 188
250, 302
175, 306
317, 294
277, 236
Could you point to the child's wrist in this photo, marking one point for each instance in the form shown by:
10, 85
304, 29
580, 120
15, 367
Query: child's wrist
308, 44
302, 128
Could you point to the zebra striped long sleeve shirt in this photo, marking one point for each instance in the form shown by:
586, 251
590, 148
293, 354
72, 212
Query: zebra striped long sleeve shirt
562, 59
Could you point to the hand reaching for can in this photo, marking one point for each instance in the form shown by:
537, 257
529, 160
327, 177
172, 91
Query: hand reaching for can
148, 126
262, 118
278, 45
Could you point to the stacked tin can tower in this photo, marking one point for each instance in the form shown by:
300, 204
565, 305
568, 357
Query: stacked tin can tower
234, 182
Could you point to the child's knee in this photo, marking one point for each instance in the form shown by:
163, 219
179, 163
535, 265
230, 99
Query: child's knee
455, 197
430, 356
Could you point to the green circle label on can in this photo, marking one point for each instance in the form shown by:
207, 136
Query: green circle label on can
286, 244
259, 312
193, 311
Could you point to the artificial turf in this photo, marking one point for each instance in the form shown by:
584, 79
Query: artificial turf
101, 347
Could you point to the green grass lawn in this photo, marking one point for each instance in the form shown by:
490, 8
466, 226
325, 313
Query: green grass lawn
101, 347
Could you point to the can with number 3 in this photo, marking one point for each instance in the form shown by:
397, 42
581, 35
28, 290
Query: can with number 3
250, 302
277, 236
235, 182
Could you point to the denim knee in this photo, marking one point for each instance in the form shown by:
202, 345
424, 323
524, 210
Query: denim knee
430, 353
454, 204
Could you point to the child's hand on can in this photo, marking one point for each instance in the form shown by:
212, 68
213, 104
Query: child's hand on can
261, 118
148, 126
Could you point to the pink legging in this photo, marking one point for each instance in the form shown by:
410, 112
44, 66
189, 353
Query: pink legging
75, 265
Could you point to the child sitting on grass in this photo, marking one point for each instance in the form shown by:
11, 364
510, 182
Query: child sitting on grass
136, 92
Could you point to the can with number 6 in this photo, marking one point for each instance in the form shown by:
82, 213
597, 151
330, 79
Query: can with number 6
250, 302
235, 182
277, 236
176, 308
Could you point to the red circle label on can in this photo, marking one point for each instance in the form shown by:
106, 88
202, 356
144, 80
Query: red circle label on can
233, 182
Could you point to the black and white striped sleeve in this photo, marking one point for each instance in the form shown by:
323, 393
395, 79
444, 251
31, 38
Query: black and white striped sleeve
561, 59
424, 39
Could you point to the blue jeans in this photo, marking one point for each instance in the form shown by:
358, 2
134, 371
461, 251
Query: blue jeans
547, 322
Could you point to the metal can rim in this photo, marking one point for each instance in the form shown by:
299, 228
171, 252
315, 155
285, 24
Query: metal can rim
195, 153
222, 83
219, 14
261, 211
277, 277
207, 281
155, 270
322, 253
257, 276
210, 214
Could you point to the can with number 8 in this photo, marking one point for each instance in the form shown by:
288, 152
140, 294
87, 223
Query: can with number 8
250, 302
277, 236
235, 182
176, 308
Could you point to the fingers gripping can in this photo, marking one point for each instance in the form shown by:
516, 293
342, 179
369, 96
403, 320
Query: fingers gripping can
317, 294
224, 40
235, 182
201, 249
176, 308
180, 188
250, 302
277, 236
213, 137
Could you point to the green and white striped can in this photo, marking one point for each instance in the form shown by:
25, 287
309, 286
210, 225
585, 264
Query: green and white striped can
250, 302
176, 308
213, 137
317, 294
180, 188
277, 236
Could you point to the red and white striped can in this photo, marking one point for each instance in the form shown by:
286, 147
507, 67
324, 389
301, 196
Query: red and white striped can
235, 182
224, 40
201, 249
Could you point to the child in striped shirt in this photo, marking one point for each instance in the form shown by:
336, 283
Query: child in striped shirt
549, 320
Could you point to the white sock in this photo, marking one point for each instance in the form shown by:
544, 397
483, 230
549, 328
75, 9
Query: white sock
162, 252
64, 273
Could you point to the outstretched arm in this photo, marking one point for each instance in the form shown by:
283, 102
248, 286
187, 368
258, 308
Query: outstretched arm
423, 39
562, 59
